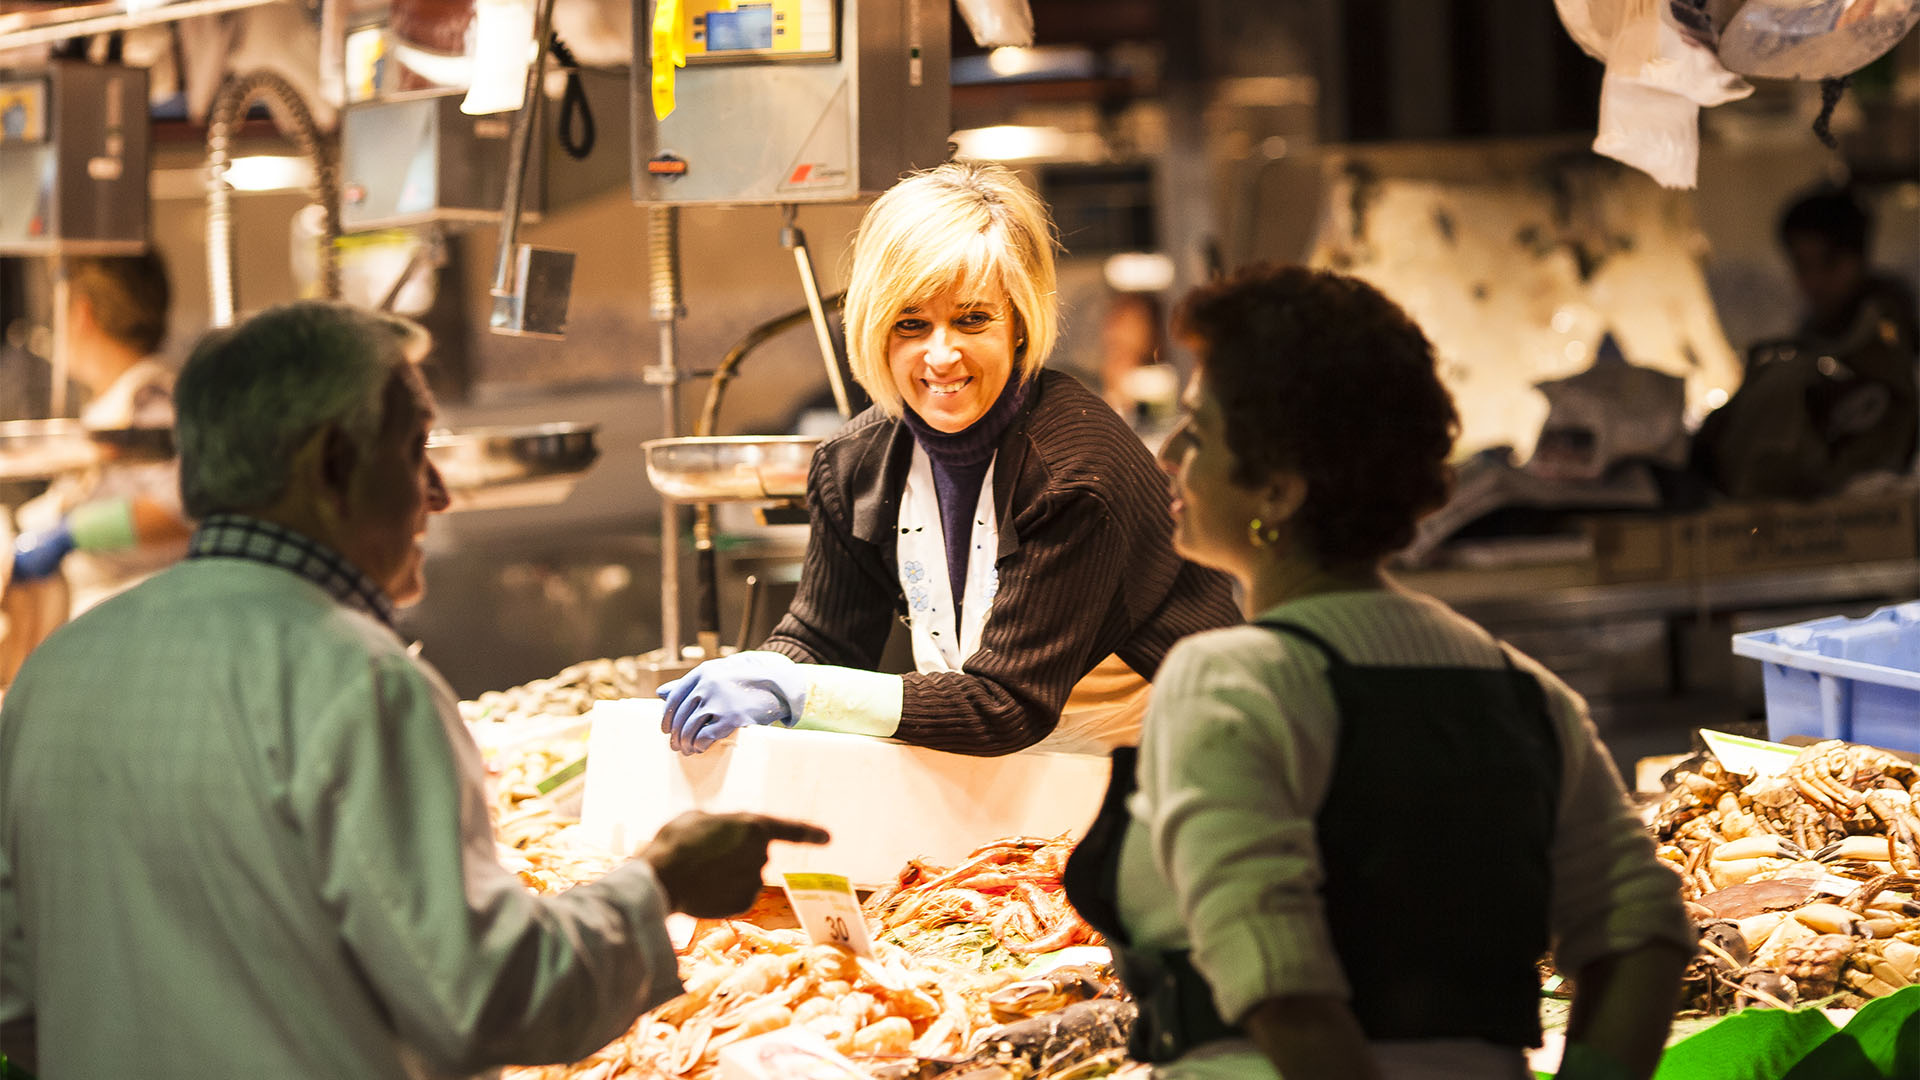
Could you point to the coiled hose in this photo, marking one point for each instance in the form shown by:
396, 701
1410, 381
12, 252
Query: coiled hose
293, 119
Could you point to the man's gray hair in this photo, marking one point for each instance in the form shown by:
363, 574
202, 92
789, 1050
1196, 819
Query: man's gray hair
250, 395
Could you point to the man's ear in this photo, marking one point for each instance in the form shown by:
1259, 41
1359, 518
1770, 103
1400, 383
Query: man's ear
338, 455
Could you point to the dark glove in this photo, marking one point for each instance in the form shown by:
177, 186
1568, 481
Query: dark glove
721, 696
37, 556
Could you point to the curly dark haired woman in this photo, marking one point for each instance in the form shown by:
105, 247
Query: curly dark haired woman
1361, 820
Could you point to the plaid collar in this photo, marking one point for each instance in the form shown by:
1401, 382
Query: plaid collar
236, 536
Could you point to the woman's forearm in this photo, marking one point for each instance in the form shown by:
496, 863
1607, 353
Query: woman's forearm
1311, 1036
1623, 1004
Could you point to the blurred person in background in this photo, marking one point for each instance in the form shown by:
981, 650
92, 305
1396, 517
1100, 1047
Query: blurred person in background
1140, 388
243, 832
1827, 237
1244, 865
119, 521
1837, 404
999, 509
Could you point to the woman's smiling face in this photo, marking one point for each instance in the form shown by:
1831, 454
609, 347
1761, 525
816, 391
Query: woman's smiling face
952, 355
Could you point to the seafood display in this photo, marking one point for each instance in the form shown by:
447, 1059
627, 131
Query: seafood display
1805, 885
533, 739
949, 993
557, 858
743, 981
525, 778
1002, 904
571, 692
897, 1016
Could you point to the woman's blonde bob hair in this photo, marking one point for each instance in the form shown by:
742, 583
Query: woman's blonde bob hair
970, 227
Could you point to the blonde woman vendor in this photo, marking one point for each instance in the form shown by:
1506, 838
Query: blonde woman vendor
1003, 511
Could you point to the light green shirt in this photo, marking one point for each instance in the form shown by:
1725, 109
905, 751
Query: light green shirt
242, 833
1222, 854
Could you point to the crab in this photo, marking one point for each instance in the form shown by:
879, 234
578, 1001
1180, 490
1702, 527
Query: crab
1815, 964
1836, 776
1694, 794
1054, 990
1782, 808
1860, 963
1883, 966
1894, 809
1768, 988
1069, 1038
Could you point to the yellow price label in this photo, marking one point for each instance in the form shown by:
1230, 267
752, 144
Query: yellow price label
828, 911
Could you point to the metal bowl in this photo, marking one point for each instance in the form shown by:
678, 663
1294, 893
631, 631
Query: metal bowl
43, 449
135, 444
743, 468
490, 468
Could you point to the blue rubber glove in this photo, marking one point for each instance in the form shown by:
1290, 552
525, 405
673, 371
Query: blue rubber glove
721, 696
37, 556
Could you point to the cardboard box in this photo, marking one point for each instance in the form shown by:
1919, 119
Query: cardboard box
1633, 547
1754, 537
1781, 536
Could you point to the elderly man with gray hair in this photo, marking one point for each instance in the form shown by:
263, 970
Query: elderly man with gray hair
242, 831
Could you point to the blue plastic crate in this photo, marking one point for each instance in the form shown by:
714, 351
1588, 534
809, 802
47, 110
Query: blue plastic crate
1841, 678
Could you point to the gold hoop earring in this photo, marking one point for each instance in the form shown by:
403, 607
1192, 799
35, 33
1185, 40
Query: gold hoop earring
1261, 535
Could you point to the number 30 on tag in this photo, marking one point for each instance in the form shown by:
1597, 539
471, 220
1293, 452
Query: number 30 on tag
828, 911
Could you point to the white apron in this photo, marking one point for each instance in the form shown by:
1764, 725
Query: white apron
1106, 706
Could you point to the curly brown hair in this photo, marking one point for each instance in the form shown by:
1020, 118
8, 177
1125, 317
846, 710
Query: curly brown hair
1320, 373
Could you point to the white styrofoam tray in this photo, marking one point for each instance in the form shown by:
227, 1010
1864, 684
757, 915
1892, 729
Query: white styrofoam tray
884, 801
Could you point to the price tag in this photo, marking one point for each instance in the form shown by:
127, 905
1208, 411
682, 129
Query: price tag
828, 911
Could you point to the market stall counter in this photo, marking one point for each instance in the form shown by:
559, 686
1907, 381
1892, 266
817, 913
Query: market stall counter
1802, 866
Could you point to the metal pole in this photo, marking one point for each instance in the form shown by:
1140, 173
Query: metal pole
62, 338
663, 246
519, 148
791, 237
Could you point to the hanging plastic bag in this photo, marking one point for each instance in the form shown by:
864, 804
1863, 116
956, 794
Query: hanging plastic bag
998, 22
1659, 74
1813, 39
503, 49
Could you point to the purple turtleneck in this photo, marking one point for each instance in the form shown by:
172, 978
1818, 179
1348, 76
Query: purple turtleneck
960, 460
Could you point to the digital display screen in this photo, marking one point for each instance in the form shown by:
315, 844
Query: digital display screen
750, 26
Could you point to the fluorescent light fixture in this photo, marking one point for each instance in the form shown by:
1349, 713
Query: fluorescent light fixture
1010, 60
270, 173
1139, 271
1010, 142
1019, 142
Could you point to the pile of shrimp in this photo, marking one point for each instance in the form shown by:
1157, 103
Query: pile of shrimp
1011, 887
743, 981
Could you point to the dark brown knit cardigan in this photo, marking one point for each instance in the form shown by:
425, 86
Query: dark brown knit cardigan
1086, 561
